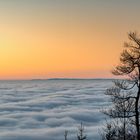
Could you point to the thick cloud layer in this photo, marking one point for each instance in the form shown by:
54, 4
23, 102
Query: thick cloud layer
43, 110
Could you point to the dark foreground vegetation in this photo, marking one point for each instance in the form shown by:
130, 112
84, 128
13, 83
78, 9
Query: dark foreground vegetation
80, 135
124, 112
125, 95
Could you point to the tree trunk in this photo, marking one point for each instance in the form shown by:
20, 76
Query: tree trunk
124, 120
124, 129
137, 113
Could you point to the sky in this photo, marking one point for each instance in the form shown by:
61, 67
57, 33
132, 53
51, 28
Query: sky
64, 38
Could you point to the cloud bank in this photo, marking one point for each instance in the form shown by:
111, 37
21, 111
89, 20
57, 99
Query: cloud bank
40, 110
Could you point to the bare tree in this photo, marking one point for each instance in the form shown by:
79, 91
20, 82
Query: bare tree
81, 135
115, 131
66, 135
122, 111
125, 94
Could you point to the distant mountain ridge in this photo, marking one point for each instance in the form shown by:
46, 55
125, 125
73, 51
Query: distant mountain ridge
74, 79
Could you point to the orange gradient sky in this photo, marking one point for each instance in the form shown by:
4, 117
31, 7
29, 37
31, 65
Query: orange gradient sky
63, 38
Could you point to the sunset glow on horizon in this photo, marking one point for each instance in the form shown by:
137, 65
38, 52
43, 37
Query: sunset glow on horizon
63, 38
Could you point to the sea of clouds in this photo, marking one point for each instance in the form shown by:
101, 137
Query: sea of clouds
43, 110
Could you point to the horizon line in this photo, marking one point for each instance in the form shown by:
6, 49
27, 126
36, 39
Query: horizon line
41, 79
